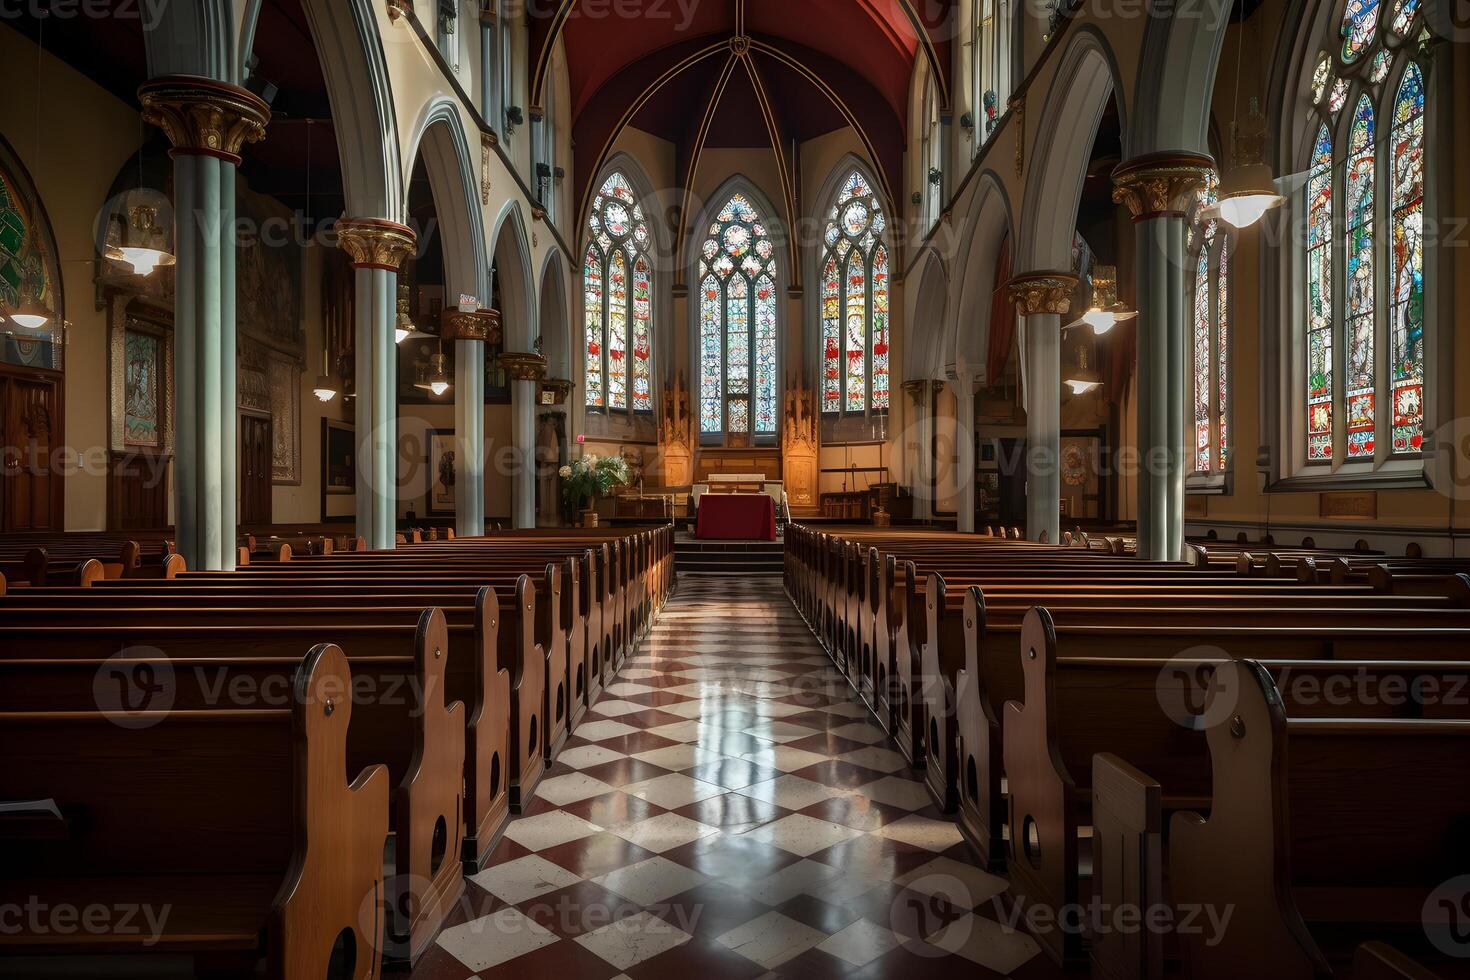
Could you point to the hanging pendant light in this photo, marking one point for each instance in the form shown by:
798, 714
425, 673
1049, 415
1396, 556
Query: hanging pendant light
142, 244
404, 327
1106, 312
325, 388
1248, 190
30, 314
1084, 378
438, 374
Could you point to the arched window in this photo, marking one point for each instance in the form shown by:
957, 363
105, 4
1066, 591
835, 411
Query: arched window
992, 65
1363, 317
1211, 347
617, 278
737, 325
855, 302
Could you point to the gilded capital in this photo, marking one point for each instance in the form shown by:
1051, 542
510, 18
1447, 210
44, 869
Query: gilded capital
1036, 293
375, 243
202, 116
1160, 185
457, 324
524, 367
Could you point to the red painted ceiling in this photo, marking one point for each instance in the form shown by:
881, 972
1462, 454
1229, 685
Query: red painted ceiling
864, 51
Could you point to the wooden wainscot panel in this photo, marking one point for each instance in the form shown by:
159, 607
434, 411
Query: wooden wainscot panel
1196, 505
1350, 505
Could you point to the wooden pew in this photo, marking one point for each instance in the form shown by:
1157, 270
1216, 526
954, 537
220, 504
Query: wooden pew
1312, 860
237, 827
475, 673
402, 719
1093, 688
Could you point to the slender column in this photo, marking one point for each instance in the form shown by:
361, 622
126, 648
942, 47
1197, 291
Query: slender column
963, 386
1042, 298
207, 122
526, 372
1158, 189
470, 330
377, 248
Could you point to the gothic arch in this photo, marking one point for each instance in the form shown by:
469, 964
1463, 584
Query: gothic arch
556, 322
930, 344
981, 244
512, 258
440, 139
1176, 78
1087, 75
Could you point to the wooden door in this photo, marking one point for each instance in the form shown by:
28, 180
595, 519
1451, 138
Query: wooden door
30, 419
255, 469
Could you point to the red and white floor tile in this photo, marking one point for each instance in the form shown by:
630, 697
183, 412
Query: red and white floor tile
728, 811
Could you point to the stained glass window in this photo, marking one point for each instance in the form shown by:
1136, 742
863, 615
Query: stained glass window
1364, 303
1211, 347
738, 341
1359, 23
855, 302
1406, 323
1319, 300
1202, 348
618, 291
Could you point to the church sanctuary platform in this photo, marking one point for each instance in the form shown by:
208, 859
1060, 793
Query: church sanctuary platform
734, 490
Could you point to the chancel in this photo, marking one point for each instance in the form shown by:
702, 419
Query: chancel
851, 488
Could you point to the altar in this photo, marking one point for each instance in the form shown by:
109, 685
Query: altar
736, 517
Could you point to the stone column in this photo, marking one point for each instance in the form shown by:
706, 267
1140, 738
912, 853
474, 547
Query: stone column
377, 248
470, 331
1042, 298
207, 122
1158, 189
526, 372
963, 386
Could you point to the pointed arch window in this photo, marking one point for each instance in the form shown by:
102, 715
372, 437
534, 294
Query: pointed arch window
1211, 360
617, 281
1362, 326
738, 356
855, 302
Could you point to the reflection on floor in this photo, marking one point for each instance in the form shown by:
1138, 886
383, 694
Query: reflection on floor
727, 810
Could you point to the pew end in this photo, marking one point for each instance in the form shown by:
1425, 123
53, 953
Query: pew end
1127, 867
1379, 961
428, 804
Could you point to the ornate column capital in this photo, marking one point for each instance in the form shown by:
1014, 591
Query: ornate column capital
914, 389
456, 324
1160, 185
524, 367
375, 243
204, 117
1035, 293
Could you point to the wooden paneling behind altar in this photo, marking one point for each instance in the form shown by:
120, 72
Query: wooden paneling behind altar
801, 445
676, 435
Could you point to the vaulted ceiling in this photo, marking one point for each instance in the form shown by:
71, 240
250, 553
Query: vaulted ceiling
801, 69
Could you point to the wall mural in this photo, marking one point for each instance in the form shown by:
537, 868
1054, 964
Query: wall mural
28, 266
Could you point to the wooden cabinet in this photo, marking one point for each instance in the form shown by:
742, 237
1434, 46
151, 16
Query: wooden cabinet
31, 421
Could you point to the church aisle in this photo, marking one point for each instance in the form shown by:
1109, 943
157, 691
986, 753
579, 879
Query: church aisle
727, 810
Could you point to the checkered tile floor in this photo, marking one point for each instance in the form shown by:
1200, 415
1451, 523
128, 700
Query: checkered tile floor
728, 811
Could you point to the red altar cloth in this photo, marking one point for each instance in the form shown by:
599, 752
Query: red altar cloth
737, 517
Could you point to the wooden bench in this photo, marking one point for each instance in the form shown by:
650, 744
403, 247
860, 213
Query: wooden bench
1323, 832
1093, 687
236, 829
399, 689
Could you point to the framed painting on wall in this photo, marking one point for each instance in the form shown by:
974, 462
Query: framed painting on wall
339, 469
443, 472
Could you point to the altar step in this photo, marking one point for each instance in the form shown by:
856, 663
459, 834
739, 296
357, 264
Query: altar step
739, 558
